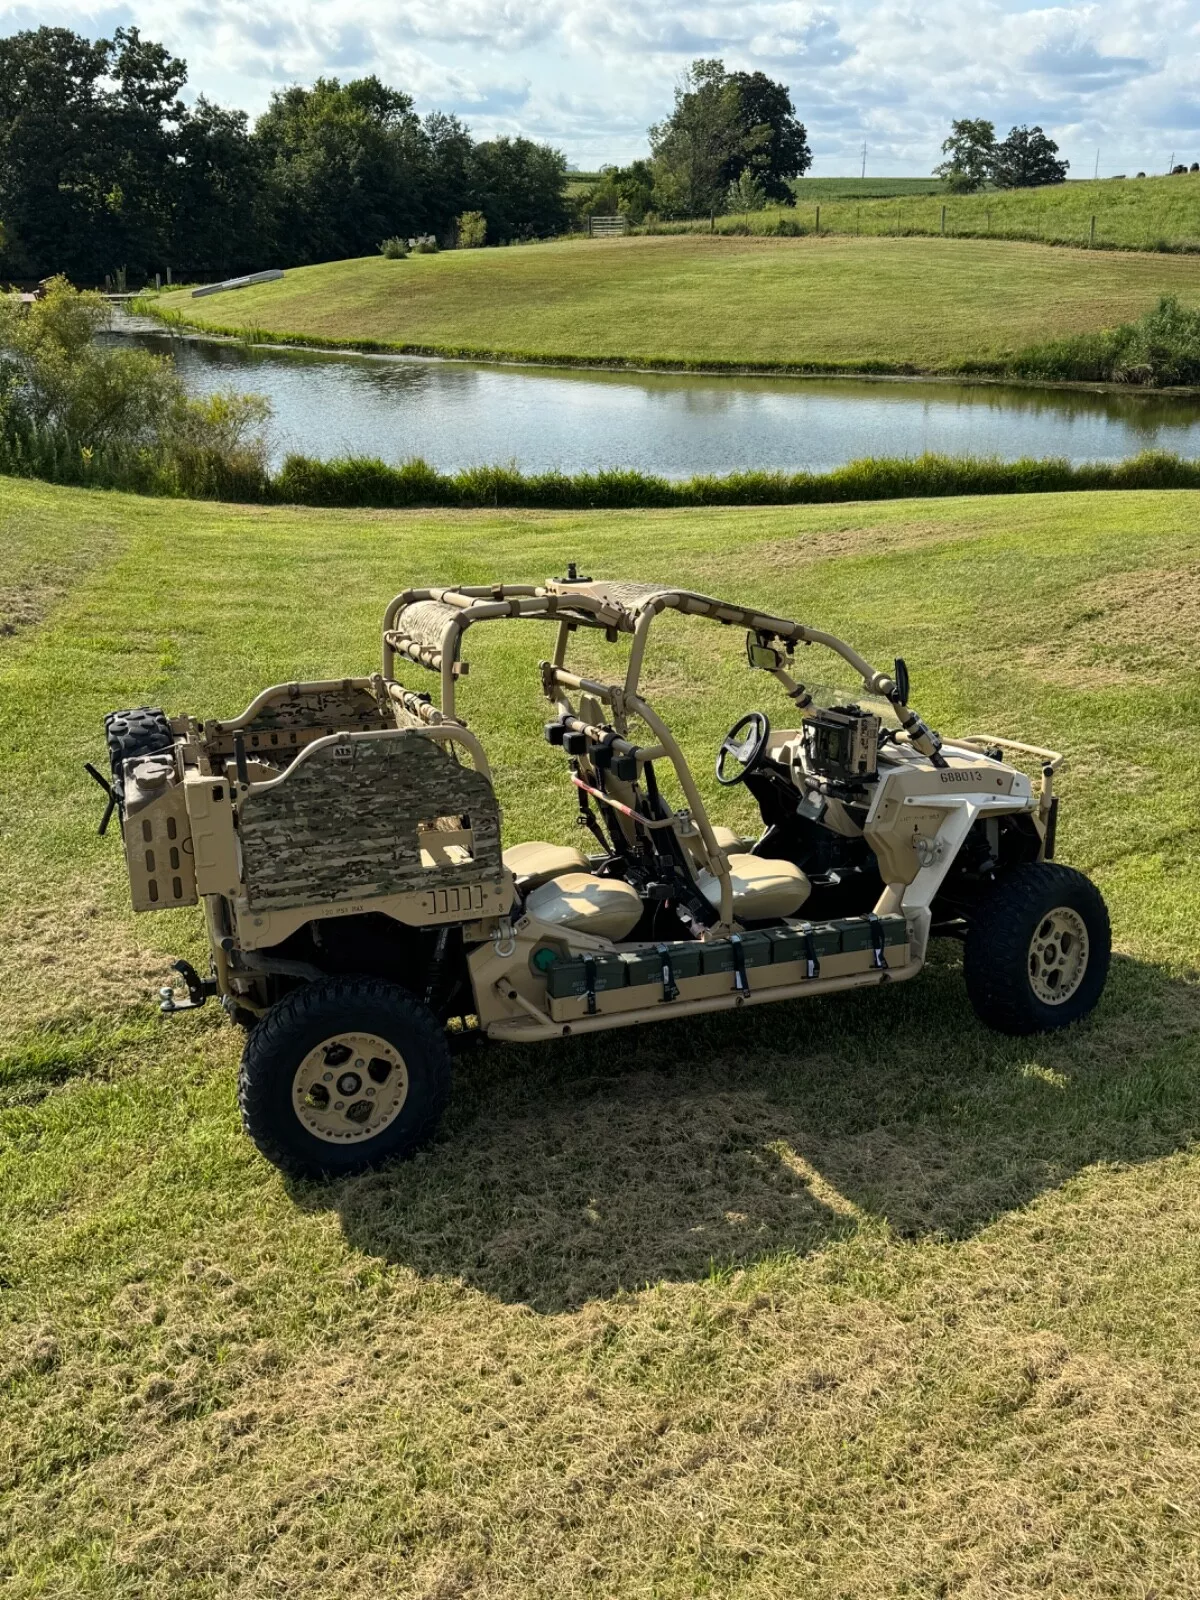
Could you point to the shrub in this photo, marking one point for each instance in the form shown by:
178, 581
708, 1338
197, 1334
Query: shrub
426, 245
1161, 349
394, 249
472, 230
77, 411
746, 193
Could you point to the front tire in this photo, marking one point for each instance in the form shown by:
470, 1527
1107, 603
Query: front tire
341, 1075
1037, 950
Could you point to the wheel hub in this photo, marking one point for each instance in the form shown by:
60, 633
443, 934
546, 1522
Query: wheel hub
350, 1087
1058, 955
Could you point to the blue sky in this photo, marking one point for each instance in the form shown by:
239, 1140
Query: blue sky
590, 75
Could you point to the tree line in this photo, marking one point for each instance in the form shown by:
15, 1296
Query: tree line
103, 167
733, 143
1026, 159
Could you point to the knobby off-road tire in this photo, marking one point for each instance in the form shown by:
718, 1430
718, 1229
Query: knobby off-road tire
341, 1075
1037, 950
141, 732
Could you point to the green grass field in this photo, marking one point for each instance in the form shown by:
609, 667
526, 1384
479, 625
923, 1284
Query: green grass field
822, 189
1160, 214
886, 304
846, 1300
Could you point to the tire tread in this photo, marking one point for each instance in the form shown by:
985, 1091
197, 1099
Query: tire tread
997, 948
269, 1042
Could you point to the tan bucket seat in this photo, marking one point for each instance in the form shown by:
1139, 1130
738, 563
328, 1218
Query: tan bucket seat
761, 888
606, 907
535, 863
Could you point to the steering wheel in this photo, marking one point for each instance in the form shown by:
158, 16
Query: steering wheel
745, 742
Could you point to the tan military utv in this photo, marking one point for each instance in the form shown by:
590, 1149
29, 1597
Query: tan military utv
344, 839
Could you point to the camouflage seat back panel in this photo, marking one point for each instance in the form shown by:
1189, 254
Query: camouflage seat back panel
343, 825
294, 715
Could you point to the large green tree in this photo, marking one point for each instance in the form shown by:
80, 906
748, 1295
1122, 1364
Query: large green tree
1027, 159
520, 187
346, 166
783, 153
54, 189
970, 151
699, 144
724, 124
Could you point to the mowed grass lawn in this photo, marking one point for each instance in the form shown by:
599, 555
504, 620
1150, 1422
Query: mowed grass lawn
920, 304
851, 1299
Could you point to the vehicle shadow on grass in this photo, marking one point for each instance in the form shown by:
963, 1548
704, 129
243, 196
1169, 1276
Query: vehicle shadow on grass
564, 1174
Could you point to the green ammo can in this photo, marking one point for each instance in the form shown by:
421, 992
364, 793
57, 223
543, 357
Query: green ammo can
645, 967
792, 944
719, 956
860, 933
568, 976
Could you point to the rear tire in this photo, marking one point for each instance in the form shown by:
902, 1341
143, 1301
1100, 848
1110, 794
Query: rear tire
1037, 950
341, 1075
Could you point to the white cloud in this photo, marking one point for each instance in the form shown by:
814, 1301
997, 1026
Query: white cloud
590, 75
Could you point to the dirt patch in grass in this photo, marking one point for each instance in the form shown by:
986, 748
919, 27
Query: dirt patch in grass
73, 955
854, 539
24, 605
1128, 627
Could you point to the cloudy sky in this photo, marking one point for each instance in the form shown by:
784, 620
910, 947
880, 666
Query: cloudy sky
589, 75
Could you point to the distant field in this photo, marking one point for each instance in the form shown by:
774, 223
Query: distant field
822, 189
874, 304
845, 1300
1130, 213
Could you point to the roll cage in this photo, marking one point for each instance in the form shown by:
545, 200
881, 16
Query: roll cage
426, 627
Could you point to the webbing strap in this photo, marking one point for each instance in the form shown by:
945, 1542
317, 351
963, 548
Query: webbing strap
810, 951
740, 982
669, 987
589, 978
877, 940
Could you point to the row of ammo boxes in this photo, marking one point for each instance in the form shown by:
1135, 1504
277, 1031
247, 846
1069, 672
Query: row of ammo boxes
579, 986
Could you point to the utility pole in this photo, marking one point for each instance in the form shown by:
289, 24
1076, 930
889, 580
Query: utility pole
1096, 174
1171, 164
864, 165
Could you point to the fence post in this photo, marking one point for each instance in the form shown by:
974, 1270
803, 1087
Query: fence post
157, 281
943, 219
168, 277
1092, 238
818, 219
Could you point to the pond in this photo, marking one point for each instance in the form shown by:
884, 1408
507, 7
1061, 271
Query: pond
456, 414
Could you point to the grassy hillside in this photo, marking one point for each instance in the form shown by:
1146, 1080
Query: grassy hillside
822, 189
846, 1300
1160, 214
898, 304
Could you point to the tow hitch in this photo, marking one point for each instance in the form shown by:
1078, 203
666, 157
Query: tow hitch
199, 989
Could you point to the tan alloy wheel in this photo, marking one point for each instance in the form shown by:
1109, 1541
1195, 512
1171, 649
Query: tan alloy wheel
350, 1087
1058, 955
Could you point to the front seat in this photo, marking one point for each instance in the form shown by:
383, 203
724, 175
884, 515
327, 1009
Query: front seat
535, 863
606, 907
761, 888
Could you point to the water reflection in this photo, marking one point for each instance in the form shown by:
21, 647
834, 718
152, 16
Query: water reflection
454, 414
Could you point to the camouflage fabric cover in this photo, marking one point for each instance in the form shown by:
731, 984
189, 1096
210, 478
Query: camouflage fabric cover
342, 824
425, 621
346, 705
